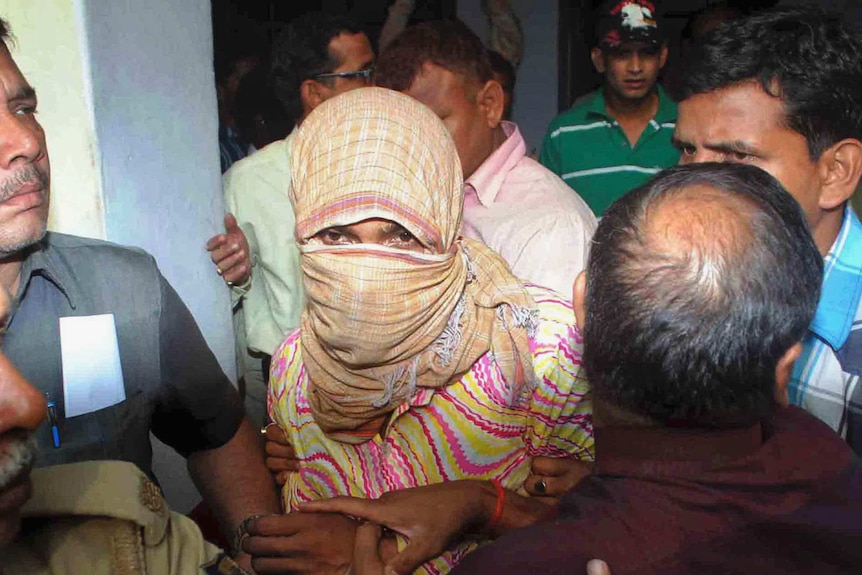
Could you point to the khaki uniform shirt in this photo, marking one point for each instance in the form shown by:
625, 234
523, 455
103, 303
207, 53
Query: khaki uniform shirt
106, 517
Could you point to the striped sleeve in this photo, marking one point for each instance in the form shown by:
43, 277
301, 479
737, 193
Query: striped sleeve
559, 421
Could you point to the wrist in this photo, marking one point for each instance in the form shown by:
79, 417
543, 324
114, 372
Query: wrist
485, 498
245, 286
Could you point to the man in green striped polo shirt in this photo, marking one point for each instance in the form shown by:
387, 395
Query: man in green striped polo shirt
617, 137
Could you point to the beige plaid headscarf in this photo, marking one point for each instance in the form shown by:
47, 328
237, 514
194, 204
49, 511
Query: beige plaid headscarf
380, 322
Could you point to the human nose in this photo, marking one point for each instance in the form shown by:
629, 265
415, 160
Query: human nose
21, 405
635, 62
20, 139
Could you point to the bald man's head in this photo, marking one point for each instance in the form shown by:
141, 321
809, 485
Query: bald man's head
698, 283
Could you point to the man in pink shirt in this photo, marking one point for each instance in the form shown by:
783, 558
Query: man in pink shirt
512, 203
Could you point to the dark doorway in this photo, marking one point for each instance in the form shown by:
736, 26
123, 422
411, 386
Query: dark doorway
248, 27
576, 36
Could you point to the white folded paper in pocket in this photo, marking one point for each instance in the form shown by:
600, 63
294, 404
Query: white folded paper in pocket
92, 374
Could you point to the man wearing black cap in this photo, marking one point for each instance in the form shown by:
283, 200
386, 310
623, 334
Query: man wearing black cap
614, 139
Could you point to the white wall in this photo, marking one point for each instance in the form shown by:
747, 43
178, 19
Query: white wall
536, 88
157, 126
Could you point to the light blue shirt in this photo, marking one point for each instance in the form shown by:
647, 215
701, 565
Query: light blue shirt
825, 379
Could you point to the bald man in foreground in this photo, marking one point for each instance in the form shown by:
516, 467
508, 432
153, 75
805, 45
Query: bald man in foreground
699, 289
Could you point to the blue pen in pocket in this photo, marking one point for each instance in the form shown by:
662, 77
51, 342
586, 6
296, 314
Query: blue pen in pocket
52, 419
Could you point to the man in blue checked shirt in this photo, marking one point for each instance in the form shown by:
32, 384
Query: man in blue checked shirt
782, 90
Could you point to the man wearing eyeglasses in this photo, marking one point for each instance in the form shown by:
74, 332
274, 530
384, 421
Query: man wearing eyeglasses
318, 56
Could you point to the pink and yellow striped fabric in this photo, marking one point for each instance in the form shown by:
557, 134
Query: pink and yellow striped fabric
471, 429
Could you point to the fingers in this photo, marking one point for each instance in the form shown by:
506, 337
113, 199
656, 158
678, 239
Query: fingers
230, 253
366, 558
221, 248
367, 509
537, 485
597, 567
275, 434
282, 565
215, 242
272, 546
282, 525
230, 223
280, 455
234, 268
410, 559
279, 464
280, 450
554, 466
552, 477
554, 487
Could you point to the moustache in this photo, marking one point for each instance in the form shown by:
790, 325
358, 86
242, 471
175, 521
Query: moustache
26, 176
17, 454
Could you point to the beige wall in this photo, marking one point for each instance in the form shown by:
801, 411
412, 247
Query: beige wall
49, 49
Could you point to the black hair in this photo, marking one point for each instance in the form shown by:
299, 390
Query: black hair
504, 68
688, 331
804, 56
450, 44
302, 51
5, 32
256, 107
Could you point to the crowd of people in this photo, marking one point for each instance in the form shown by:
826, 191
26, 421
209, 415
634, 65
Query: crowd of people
637, 353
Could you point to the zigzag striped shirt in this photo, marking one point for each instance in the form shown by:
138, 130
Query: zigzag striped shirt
470, 429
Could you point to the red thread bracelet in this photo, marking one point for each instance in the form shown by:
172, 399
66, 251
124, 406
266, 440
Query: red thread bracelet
498, 509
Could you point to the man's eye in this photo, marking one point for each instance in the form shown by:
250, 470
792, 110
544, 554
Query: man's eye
738, 157
331, 237
405, 237
25, 110
686, 150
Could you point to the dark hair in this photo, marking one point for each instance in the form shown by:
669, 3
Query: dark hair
5, 31
689, 332
449, 44
302, 51
809, 59
255, 103
705, 20
500, 65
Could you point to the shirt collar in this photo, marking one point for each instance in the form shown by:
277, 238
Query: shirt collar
666, 111
656, 450
842, 284
489, 177
42, 261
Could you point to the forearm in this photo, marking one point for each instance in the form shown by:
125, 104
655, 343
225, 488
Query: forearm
233, 479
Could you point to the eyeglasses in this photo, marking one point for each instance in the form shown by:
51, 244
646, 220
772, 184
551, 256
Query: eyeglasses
365, 74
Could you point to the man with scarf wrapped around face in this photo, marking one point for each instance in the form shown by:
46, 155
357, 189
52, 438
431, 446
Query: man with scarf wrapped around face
420, 358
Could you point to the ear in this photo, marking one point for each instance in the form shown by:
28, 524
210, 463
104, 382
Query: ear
840, 168
598, 60
490, 100
662, 58
579, 296
313, 94
783, 369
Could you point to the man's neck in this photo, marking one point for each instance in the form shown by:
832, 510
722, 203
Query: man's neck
499, 137
606, 414
10, 274
623, 109
826, 230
